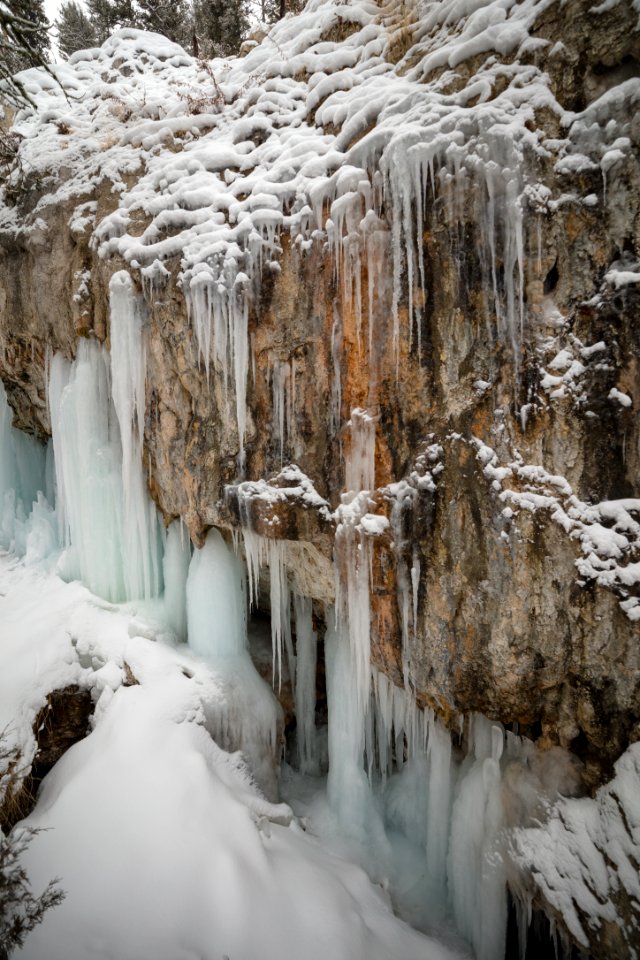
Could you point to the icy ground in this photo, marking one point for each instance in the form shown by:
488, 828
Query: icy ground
164, 846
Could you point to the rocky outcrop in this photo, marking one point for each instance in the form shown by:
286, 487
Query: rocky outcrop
61, 722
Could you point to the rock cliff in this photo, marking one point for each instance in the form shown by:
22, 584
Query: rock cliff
393, 249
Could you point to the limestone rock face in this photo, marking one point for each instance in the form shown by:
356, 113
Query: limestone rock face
506, 451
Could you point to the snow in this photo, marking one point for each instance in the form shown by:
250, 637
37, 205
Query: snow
608, 532
164, 845
622, 398
326, 140
290, 485
583, 859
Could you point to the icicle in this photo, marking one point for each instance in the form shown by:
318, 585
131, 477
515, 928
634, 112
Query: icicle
258, 551
360, 465
283, 379
217, 304
305, 687
415, 587
336, 381
280, 611
175, 565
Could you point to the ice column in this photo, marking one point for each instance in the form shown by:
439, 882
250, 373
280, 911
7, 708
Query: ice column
86, 444
476, 872
305, 687
175, 567
105, 516
348, 641
348, 788
141, 535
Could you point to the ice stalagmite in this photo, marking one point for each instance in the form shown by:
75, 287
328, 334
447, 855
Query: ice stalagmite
246, 716
216, 602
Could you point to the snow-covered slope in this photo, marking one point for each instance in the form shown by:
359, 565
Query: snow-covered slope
163, 843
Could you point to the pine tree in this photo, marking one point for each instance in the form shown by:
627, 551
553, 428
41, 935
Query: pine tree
221, 26
33, 46
273, 10
20, 909
171, 18
22, 45
109, 15
75, 29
